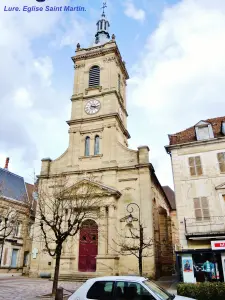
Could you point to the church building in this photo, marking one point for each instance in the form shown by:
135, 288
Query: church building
98, 146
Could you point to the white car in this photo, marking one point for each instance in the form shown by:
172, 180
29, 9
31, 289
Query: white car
122, 288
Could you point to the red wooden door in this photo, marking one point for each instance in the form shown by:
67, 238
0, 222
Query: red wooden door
88, 246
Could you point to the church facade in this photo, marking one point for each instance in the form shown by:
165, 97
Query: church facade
98, 146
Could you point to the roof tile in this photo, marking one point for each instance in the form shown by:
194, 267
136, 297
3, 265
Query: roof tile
188, 135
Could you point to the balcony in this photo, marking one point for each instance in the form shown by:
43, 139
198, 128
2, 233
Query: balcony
213, 226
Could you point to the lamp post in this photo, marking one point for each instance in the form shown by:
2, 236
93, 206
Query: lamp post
130, 219
3, 241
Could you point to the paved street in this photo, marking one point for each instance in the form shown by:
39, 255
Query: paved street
22, 288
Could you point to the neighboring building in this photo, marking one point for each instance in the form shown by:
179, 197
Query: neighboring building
98, 145
198, 163
17, 211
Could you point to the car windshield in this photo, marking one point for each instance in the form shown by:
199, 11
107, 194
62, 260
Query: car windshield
160, 292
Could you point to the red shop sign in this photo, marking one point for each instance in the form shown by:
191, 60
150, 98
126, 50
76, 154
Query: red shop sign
216, 245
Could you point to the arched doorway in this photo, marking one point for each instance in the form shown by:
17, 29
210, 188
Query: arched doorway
88, 246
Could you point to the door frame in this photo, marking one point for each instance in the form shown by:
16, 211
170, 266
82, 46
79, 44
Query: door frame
94, 227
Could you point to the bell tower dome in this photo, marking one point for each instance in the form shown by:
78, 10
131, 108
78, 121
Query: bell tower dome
102, 36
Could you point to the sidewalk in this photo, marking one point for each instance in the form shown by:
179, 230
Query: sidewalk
169, 283
9, 275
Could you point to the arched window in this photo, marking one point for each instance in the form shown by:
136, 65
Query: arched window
87, 146
96, 150
119, 82
94, 76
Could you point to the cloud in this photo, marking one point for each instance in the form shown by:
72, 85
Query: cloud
44, 68
22, 98
132, 12
179, 78
33, 102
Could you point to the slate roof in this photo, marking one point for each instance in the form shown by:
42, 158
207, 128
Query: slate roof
188, 135
170, 196
12, 186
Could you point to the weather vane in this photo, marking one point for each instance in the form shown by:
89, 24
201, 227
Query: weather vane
103, 7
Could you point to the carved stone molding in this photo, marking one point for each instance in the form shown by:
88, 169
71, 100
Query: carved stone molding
128, 179
79, 66
93, 88
90, 157
109, 59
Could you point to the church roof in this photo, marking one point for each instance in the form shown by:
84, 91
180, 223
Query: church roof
170, 196
12, 186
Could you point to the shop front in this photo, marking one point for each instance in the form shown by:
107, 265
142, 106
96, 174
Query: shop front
200, 265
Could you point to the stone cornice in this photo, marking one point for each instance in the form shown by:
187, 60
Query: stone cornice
101, 118
82, 97
101, 51
194, 144
115, 168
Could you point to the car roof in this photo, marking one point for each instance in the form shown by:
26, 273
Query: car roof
118, 278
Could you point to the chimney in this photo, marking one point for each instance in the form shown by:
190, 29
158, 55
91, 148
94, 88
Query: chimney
7, 163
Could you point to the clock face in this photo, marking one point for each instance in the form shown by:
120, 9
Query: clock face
92, 107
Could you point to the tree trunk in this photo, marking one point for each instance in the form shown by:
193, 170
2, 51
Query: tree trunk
56, 273
140, 263
140, 250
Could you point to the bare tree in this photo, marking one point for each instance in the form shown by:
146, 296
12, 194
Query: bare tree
61, 209
8, 225
133, 241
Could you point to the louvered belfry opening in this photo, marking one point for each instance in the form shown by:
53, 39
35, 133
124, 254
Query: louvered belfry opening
94, 76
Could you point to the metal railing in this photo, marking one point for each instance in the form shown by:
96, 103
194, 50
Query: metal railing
210, 226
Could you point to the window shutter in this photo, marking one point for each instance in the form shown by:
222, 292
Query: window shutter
192, 166
201, 207
205, 207
198, 165
94, 76
220, 157
197, 207
195, 165
221, 160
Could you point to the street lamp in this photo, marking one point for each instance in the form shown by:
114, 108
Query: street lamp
3, 241
130, 219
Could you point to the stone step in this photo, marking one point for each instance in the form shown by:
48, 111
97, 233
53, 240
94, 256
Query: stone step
76, 277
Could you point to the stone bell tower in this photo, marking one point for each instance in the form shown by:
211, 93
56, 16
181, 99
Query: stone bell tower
99, 116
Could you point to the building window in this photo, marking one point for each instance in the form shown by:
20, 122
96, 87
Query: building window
223, 128
17, 229
96, 150
201, 208
221, 160
204, 131
87, 146
94, 76
195, 165
119, 82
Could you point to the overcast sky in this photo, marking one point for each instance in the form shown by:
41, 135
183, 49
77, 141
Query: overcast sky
174, 52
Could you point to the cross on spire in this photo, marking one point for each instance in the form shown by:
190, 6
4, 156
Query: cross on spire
103, 7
